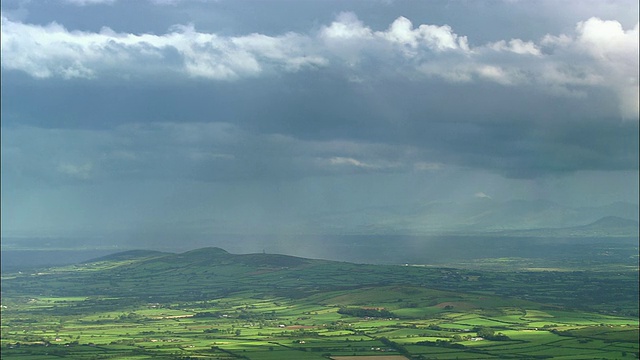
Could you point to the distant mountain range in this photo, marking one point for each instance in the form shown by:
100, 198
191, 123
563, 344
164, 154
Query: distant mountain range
603, 227
485, 215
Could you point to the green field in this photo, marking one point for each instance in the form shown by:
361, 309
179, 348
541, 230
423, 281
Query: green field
210, 304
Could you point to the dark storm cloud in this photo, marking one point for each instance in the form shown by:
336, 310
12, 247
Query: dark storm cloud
289, 127
221, 151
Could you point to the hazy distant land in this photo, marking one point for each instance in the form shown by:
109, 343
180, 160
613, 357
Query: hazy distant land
434, 233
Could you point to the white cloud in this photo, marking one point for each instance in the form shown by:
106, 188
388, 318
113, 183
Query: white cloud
498, 74
346, 27
556, 40
616, 52
481, 195
52, 50
437, 38
373, 163
442, 38
599, 54
516, 46
339, 160
607, 39
401, 31
453, 73
76, 171
462, 73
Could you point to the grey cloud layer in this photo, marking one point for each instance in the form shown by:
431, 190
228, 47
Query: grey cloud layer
599, 54
195, 151
218, 151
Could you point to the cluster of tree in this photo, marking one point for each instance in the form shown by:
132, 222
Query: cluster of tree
205, 314
366, 312
490, 334
129, 316
394, 345
237, 332
441, 343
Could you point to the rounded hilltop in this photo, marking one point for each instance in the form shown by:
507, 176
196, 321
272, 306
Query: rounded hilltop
212, 250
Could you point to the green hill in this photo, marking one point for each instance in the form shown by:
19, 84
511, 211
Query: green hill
213, 272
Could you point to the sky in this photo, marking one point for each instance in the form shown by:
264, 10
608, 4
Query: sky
195, 118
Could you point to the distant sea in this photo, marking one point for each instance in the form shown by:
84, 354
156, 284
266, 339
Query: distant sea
19, 260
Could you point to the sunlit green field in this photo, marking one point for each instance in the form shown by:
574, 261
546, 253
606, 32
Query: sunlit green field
222, 306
